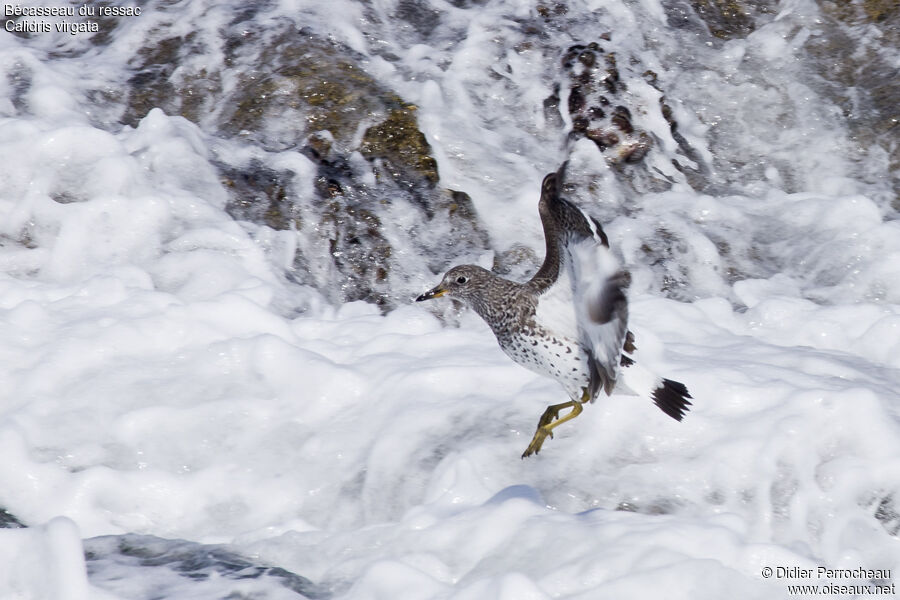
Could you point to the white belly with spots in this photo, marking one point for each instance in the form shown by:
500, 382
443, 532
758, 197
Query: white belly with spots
558, 358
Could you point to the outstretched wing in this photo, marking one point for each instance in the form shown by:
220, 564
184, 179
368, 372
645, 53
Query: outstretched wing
584, 269
601, 306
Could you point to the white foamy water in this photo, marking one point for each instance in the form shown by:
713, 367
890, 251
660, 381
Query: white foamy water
162, 377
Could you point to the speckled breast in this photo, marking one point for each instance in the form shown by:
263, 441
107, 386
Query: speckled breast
560, 358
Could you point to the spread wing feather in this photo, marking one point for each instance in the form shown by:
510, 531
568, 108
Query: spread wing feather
579, 268
582, 296
601, 307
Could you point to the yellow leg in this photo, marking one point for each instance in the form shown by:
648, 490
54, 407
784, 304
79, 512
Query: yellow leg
550, 420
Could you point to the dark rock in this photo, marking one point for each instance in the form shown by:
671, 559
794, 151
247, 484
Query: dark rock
417, 13
159, 565
261, 195
576, 100
9, 520
151, 84
887, 514
552, 10
638, 150
603, 138
621, 118
729, 19
359, 249
589, 70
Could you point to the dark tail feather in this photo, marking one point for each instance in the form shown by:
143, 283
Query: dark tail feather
672, 398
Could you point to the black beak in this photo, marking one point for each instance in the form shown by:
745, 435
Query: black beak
432, 293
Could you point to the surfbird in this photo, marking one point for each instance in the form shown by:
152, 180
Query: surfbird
570, 320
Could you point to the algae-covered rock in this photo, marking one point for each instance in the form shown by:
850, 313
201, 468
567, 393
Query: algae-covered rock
857, 11
879, 11
297, 84
313, 83
290, 92
403, 149
288, 87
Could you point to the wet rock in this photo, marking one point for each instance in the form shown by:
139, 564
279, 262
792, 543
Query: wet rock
419, 15
260, 194
353, 223
402, 147
153, 567
664, 253
9, 520
593, 83
153, 82
293, 92
886, 513
518, 262
295, 83
19, 82
287, 86
550, 10
603, 110
863, 83
359, 248
729, 19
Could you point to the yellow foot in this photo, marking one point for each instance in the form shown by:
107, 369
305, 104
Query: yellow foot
548, 421
537, 441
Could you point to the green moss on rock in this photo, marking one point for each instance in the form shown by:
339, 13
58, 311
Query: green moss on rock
401, 145
291, 91
878, 11
312, 85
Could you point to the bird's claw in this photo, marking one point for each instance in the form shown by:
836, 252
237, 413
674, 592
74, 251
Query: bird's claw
548, 421
537, 441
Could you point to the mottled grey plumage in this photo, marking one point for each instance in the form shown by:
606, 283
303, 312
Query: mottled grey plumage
569, 321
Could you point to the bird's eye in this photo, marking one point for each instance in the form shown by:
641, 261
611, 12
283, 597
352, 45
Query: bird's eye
462, 279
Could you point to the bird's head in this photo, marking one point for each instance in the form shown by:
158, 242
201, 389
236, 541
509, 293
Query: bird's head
465, 283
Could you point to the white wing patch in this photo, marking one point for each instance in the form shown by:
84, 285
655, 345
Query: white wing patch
586, 304
592, 225
593, 265
555, 309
